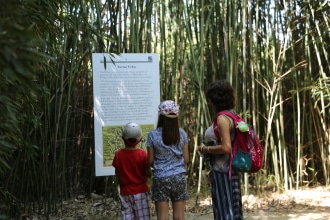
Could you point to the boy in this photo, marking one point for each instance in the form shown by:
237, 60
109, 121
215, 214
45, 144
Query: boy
132, 168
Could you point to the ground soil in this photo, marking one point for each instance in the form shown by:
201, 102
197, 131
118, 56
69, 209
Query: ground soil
306, 204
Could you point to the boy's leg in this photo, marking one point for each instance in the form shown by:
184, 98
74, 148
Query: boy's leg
126, 207
142, 206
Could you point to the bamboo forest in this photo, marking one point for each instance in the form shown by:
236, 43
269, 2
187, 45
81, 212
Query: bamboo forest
275, 53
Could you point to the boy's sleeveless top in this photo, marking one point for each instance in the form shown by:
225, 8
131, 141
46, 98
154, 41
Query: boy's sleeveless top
218, 162
168, 159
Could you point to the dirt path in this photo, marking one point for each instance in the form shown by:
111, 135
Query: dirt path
293, 205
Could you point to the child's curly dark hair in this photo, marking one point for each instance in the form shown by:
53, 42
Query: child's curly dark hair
221, 94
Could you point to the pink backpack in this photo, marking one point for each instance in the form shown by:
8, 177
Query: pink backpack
247, 152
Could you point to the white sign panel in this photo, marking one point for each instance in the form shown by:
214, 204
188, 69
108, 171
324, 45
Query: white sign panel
126, 89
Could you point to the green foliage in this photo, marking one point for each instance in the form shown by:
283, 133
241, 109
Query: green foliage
20, 61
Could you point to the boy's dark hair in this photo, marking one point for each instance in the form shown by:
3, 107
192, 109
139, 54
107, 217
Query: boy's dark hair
221, 94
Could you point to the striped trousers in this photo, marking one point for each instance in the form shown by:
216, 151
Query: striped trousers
226, 196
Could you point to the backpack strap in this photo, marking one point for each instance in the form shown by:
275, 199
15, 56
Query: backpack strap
215, 123
216, 132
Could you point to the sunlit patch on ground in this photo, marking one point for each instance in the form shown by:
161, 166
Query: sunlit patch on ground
206, 201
